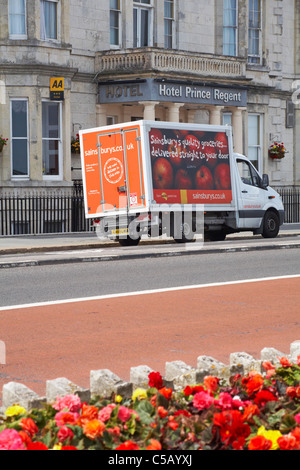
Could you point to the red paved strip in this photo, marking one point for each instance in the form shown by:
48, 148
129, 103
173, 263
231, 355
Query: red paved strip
69, 340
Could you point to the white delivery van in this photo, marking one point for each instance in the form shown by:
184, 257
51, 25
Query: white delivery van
155, 177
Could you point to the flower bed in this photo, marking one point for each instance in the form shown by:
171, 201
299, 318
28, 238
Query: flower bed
251, 412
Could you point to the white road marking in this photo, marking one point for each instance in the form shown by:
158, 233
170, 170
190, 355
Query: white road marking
146, 292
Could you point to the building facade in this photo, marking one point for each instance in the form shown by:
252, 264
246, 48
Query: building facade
67, 65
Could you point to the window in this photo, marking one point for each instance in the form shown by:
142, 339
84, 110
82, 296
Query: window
19, 138
254, 48
255, 140
230, 22
115, 23
17, 19
48, 19
248, 174
227, 119
142, 23
169, 24
51, 128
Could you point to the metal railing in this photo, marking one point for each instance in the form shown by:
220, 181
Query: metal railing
41, 214
291, 201
38, 214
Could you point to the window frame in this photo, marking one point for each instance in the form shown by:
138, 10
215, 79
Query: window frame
234, 28
255, 59
58, 22
259, 145
119, 28
12, 138
59, 139
140, 6
170, 20
16, 36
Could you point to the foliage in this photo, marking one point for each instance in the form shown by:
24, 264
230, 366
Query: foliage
257, 411
3, 141
277, 151
75, 144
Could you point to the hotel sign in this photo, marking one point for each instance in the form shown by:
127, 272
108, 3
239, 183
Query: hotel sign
159, 90
57, 88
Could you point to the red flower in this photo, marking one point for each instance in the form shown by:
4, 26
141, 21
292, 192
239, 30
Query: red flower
263, 396
192, 390
259, 443
68, 448
37, 446
252, 383
155, 380
128, 445
231, 426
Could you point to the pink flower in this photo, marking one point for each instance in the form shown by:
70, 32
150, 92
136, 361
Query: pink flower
65, 433
70, 402
225, 401
202, 400
297, 418
11, 440
66, 417
105, 413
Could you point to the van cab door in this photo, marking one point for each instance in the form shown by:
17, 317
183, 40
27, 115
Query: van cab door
251, 195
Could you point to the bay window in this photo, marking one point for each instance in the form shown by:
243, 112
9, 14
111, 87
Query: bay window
48, 19
17, 19
19, 138
52, 140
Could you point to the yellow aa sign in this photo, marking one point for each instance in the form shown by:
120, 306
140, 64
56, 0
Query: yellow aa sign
57, 87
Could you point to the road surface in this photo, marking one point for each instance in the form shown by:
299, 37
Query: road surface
200, 310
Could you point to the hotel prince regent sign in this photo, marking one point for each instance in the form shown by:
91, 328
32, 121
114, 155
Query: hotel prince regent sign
160, 90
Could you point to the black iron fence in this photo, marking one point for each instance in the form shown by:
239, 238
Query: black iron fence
38, 214
291, 201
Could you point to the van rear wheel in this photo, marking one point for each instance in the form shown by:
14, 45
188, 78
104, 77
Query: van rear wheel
271, 225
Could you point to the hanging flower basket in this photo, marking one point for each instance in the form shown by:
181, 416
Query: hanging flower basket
75, 145
277, 151
3, 142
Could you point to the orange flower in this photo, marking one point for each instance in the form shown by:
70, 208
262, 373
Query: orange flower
93, 428
89, 413
250, 411
162, 412
28, 425
285, 362
166, 392
259, 443
211, 383
155, 445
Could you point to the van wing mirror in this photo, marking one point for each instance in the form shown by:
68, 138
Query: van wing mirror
265, 181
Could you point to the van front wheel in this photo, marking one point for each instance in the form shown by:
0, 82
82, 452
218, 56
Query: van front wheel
271, 225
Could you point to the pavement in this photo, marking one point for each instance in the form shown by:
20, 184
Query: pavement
75, 247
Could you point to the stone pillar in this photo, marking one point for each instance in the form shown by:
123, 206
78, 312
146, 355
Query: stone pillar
173, 111
237, 129
101, 115
215, 115
149, 109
